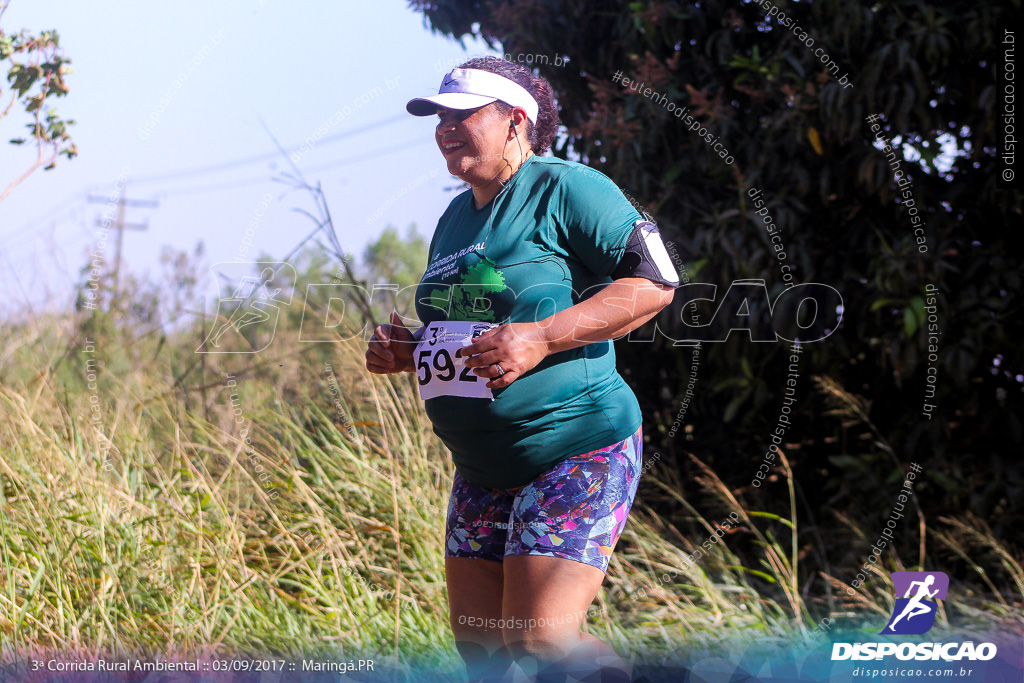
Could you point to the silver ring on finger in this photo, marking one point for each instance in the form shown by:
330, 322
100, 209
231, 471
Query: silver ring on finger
500, 371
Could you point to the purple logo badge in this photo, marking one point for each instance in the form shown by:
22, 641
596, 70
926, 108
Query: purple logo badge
916, 592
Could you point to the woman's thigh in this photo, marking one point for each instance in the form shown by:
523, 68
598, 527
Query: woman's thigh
474, 544
563, 528
577, 509
538, 552
475, 590
546, 598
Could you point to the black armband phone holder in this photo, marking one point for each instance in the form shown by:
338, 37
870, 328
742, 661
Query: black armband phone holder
645, 256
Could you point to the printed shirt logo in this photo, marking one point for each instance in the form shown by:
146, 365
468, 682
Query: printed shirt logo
914, 612
467, 300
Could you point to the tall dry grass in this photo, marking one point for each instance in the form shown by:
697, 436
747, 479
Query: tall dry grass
322, 536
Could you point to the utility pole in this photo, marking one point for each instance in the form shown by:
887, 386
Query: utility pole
121, 226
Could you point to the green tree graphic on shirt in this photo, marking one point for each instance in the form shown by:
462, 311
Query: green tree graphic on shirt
476, 283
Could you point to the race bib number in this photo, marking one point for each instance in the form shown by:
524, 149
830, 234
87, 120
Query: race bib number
439, 371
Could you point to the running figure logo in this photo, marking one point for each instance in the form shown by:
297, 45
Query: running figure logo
914, 612
254, 304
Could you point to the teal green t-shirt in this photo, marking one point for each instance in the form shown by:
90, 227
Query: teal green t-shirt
556, 233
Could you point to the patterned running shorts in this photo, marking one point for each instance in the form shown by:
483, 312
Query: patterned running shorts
576, 510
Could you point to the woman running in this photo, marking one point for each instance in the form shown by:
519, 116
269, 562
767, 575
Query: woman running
532, 271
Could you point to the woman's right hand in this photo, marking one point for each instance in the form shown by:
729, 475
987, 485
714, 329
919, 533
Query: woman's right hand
391, 348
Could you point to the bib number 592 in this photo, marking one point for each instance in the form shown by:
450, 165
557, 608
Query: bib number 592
441, 362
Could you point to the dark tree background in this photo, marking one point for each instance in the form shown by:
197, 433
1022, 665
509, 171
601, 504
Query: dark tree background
929, 70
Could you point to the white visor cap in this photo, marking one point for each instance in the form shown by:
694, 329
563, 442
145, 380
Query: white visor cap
472, 88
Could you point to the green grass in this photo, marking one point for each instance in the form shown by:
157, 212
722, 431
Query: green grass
323, 541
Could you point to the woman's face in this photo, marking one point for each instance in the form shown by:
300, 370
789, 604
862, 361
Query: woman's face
472, 141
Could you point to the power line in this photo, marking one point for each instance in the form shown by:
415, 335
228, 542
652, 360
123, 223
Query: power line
202, 170
78, 196
334, 164
83, 193
408, 144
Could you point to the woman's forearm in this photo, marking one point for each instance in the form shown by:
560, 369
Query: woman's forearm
615, 310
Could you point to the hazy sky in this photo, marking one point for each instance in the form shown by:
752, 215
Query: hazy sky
164, 90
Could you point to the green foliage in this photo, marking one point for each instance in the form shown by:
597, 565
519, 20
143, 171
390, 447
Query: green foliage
394, 260
36, 68
800, 135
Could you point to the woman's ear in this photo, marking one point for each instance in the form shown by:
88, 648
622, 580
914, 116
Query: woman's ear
519, 117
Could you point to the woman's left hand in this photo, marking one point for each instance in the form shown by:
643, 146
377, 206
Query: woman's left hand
518, 347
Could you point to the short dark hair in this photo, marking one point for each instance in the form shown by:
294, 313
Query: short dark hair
541, 134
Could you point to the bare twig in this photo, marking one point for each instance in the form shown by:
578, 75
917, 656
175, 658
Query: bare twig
324, 223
